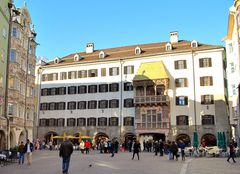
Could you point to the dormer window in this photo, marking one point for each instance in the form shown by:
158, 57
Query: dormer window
102, 55
194, 44
76, 57
168, 47
56, 60
138, 50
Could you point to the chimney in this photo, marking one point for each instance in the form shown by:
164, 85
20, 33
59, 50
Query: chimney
89, 48
174, 37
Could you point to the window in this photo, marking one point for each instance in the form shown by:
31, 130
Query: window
182, 100
150, 90
13, 55
63, 75
232, 67
92, 73
44, 92
113, 71
71, 105
168, 47
61, 106
82, 74
113, 103
43, 122
92, 88
230, 48
128, 86
72, 75
207, 99
82, 89
92, 104
180, 64
207, 119
10, 109
102, 55
206, 81
51, 122
14, 32
102, 104
144, 121
194, 44
113, 87
81, 122
82, 105
60, 122
113, 121
102, 121
43, 106
103, 88
138, 50
103, 72
128, 121
139, 91
53, 91
91, 121
71, 122
62, 90
181, 82
205, 62
129, 69
72, 90
182, 120
128, 103
51, 106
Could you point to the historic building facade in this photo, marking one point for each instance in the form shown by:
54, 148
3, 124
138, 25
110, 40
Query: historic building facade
21, 81
163, 90
232, 41
4, 29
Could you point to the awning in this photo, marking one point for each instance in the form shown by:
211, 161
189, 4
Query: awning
151, 71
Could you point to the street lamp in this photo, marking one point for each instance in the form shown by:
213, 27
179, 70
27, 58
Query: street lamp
12, 11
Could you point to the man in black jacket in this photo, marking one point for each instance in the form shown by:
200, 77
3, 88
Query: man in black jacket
65, 152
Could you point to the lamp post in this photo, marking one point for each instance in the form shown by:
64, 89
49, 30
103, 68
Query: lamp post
12, 10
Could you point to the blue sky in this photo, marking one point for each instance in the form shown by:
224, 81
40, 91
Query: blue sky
65, 26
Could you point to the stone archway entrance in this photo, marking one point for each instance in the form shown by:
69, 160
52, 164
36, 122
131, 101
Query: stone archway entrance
22, 136
209, 140
2, 140
100, 136
48, 135
185, 138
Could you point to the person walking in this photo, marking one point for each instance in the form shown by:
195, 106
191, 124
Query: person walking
161, 147
232, 152
156, 147
174, 150
65, 153
28, 148
82, 146
21, 153
181, 145
136, 149
87, 146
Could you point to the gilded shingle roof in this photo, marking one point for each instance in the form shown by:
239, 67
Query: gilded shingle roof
127, 52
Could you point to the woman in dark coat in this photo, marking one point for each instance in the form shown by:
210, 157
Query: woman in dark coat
136, 149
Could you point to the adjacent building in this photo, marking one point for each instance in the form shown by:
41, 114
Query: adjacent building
233, 64
154, 91
4, 29
21, 81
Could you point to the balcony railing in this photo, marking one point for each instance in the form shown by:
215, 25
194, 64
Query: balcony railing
151, 99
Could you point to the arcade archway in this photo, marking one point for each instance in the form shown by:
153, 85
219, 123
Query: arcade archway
209, 140
100, 136
48, 135
185, 138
